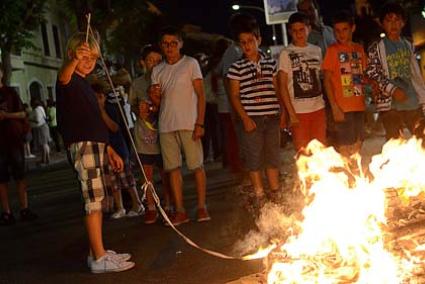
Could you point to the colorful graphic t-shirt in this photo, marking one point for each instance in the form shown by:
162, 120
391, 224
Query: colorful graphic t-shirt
347, 64
302, 64
398, 60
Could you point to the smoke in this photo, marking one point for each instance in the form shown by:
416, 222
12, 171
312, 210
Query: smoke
274, 225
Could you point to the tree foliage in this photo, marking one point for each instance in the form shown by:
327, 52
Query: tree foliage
124, 26
18, 21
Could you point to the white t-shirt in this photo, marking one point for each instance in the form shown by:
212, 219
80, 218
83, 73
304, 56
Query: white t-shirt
302, 64
178, 110
39, 117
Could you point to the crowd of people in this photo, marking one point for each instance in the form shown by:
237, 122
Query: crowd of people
231, 105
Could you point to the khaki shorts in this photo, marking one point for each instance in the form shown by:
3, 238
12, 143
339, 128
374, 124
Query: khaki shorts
174, 143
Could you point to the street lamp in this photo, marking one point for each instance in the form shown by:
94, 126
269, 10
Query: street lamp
237, 7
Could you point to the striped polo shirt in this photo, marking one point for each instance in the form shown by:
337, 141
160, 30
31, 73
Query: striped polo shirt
257, 93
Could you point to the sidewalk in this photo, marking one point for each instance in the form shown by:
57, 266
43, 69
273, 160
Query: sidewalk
56, 159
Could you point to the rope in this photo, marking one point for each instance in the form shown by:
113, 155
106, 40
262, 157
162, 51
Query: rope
148, 184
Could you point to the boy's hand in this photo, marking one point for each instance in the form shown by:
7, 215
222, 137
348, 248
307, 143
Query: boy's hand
198, 132
338, 114
249, 124
82, 51
144, 110
114, 160
399, 95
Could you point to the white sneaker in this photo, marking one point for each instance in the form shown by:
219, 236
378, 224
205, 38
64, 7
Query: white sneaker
118, 214
119, 256
139, 212
109, 263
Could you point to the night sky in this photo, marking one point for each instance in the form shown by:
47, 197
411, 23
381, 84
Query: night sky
213, 15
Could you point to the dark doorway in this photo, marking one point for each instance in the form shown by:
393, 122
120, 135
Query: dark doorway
35, 91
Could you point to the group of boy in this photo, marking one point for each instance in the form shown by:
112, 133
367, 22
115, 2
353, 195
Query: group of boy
260, 91
389, 66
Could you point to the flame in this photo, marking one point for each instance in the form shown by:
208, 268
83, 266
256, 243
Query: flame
261, 253
342, 236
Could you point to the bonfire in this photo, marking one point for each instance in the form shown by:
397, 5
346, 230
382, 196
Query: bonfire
359, 224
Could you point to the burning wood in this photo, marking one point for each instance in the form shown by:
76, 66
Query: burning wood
356, 228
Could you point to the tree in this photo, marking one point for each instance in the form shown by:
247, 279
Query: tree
124, 26
18, 20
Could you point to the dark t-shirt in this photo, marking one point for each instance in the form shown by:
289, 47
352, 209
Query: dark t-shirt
78, 113
117, 139
11, 130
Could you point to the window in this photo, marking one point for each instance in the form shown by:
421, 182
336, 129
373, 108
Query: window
45, 39
57, 41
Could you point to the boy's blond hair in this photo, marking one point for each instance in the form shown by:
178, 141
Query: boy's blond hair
78, 38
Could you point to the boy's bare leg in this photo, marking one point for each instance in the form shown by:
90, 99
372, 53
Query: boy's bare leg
201, 186
117, 199
166, 188
135, 199
149, 176
4, 198
176, 183
21, 187
94, 231
257, 183
273, 178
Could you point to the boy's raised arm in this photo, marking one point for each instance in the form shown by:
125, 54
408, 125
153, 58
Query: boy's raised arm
69, 66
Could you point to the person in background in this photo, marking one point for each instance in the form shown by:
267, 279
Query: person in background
392, 65
300, 85
211, 138
146, 134
12, 160
178, 85
229, 149
344, 66
123, 180
41, 130
320, 34
51, 115
254, 97
28, 135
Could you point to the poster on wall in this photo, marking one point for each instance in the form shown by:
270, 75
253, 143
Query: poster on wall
278, 11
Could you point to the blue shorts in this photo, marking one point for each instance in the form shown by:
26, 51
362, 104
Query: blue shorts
12, 163
261, 147
351, 130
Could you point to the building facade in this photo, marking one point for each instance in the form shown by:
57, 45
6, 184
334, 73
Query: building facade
35, 70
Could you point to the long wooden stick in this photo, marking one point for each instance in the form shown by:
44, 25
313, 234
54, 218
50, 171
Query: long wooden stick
88, 26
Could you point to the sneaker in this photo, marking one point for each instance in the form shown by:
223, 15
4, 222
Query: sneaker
134, 213
110, 263
118, 214
178, 219
119, 256
203, 215
7, 219
28, 215
151, 216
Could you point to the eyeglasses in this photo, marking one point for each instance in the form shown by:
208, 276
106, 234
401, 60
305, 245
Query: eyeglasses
172, 44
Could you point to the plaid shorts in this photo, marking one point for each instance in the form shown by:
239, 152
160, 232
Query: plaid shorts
122, 180
91, 164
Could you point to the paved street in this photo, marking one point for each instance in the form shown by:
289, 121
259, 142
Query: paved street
53, 249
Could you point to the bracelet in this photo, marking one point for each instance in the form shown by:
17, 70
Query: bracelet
200, 125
